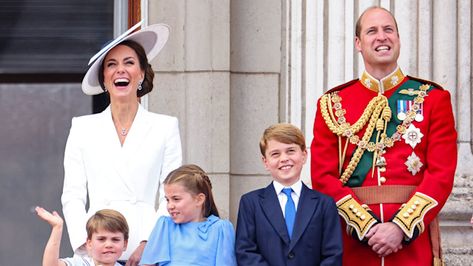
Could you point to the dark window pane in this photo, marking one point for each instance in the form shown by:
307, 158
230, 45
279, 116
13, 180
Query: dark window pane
54, 36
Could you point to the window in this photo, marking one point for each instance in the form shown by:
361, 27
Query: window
52, 36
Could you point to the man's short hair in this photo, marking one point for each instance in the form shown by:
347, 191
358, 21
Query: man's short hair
358, 22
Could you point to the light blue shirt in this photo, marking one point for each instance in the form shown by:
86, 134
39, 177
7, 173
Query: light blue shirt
207, 243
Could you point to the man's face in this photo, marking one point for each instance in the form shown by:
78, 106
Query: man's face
378, 42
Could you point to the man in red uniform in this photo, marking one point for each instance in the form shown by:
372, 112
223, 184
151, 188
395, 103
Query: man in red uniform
385, 149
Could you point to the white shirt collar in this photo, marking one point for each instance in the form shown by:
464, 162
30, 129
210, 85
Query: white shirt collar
296, 187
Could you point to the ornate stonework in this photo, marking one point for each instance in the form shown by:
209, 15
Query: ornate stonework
457, 232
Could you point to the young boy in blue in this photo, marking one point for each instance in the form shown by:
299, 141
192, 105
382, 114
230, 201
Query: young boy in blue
193, 234
287, 223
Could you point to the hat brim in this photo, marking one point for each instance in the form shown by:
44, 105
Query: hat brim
152, 38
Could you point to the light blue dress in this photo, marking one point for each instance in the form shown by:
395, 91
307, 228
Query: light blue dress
207, 243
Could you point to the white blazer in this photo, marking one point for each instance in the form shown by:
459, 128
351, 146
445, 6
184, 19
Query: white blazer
124, 178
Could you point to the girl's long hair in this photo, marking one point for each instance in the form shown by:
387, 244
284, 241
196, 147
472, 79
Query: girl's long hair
196, 181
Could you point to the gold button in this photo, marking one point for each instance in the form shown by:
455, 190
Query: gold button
413, 207
416, 202
351, 207
410, 211
382, 179
362, 217
405, 215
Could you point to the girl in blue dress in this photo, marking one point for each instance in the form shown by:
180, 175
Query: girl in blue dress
193, 234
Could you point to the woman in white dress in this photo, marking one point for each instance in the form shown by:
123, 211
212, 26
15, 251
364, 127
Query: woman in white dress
118, 159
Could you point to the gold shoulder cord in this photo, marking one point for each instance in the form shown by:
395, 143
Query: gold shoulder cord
341, 155
377, 114
342, 128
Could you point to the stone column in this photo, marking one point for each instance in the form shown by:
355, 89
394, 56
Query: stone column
254, 89
193, 83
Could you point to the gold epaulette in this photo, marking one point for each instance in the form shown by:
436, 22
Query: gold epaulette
355, 215
411, 215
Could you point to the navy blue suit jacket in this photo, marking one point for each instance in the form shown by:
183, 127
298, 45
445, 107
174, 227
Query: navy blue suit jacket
262, 238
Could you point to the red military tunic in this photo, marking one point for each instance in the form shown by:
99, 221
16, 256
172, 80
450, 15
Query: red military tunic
426, 163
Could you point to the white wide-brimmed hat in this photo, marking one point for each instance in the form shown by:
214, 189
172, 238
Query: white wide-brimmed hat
152, 38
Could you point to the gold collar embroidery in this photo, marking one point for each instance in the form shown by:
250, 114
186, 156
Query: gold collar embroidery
385, 84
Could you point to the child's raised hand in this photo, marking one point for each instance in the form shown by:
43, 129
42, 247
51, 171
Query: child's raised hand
52, 218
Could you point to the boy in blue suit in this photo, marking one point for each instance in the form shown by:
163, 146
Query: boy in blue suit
287, 223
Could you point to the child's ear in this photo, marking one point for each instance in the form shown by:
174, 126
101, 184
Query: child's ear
88, 244
265, 162
200, 199
125, 245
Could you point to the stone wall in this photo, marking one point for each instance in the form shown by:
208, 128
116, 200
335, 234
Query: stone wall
457, 232
231, 68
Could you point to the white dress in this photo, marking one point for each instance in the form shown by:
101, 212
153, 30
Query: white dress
124, 178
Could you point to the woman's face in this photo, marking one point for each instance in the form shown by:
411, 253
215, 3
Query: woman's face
122, 73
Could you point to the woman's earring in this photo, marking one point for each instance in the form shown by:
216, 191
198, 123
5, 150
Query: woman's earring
139, 85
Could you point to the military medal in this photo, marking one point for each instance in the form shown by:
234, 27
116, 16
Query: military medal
404, 105
412, 136
401, 109
413, 163
420, 113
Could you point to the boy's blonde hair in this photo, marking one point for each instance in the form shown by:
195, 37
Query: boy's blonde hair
284, 133
109, 220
